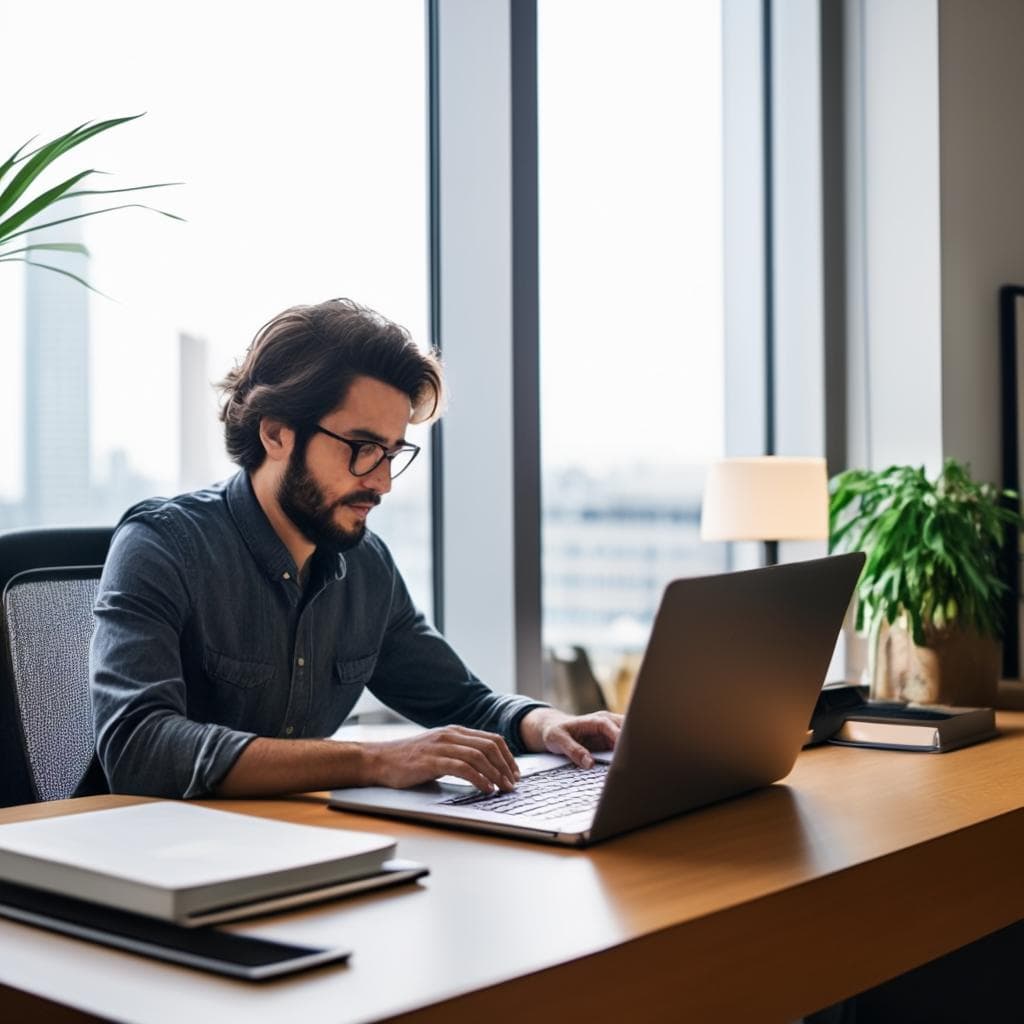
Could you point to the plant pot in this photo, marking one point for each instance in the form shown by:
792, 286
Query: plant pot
960, 667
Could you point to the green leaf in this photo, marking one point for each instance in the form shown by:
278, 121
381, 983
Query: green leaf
928, 542
40, 203
14, 158
113, 191
75, 247
92, 213
56, 270
31, 164
48, 153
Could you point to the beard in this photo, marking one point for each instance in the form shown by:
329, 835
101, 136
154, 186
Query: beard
303, 502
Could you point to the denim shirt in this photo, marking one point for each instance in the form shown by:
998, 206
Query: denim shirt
204, 640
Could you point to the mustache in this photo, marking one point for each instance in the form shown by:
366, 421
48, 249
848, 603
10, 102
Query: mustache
359, 498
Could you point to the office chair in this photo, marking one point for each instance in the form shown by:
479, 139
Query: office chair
46, 623
571, 682
39, 547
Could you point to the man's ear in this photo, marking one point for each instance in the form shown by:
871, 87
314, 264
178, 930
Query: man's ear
278, 439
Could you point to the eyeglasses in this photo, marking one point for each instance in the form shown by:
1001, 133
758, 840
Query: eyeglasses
368, 455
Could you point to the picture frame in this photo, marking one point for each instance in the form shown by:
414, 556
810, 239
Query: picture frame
1011, 340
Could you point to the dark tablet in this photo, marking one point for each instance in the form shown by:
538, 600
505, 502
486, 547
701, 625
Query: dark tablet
206, 949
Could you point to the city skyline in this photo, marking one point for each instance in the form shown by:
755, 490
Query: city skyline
609, 543
629, 177
630, 232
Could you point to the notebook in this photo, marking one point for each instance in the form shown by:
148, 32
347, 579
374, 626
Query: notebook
188, 864
720, 707
935, 728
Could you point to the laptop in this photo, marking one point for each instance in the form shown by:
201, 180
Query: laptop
721, 706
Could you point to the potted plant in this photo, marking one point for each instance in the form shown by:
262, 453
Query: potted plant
21, 213
930, 593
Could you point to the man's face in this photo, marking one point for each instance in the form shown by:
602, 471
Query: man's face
318, 492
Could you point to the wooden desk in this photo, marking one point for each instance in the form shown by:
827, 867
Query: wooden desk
862, 865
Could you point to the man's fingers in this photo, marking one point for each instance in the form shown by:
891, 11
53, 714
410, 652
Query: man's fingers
563, 743
610, 729
480, 763
493, 747
599, 732
461, 770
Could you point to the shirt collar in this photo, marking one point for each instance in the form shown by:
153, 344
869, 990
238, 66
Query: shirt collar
262, 540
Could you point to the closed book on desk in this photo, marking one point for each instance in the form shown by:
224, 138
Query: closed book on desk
934, 728
183, 863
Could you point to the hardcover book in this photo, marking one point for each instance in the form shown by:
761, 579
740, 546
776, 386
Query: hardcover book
935, 728
189, 864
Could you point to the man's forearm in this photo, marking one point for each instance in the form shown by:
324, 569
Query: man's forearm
270, 767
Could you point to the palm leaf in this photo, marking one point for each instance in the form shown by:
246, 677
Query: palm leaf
45, 155
32, 164
75, 247
56, 270
113, 191
14, 158
40, 203
93, 213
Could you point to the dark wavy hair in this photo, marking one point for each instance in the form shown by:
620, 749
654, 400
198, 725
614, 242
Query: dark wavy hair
301, 364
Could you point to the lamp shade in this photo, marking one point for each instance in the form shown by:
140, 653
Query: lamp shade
769, 498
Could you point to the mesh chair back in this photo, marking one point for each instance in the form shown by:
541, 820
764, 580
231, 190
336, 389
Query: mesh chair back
48, 625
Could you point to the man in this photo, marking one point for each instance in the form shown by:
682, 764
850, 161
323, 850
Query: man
237, 626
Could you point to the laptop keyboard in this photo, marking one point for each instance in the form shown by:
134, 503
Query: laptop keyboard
554, 793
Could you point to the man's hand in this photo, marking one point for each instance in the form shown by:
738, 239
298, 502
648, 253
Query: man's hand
481, 758
546, 729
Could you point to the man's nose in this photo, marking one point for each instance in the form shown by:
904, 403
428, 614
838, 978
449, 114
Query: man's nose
379, 480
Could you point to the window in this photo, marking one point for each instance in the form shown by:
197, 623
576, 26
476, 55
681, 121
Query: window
300, 135
631, 322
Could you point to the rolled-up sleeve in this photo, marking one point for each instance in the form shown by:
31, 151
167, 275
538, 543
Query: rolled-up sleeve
145, 741
421, 677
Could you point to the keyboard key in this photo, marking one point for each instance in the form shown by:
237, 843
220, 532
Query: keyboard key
554, 793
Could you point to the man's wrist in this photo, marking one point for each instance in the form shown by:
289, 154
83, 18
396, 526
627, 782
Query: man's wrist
369, 763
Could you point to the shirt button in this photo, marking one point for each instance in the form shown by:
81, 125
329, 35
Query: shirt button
286, 575
301, 661
289, 730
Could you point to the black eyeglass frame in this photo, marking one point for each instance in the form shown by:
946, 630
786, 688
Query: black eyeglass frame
356, 445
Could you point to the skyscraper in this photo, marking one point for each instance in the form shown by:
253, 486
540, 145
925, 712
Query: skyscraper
57, 448
196, 410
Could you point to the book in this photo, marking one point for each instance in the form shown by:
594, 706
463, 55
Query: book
180, 862
897, 726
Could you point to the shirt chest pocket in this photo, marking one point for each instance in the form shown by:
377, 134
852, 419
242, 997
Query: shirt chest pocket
238, 672
354, 671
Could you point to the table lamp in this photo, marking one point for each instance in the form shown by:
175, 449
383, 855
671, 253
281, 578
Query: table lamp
770, 498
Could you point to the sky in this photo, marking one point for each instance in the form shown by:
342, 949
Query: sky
301, 142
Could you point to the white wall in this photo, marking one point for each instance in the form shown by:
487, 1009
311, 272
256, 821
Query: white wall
981, 92
935, 151
895, 329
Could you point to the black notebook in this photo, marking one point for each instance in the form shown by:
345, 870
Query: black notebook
933, 728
